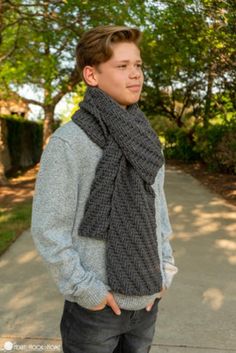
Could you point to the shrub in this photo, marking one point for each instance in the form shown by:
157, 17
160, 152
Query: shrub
216, 146
179, 145
226, 152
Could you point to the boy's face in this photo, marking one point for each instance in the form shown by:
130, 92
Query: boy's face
121, 77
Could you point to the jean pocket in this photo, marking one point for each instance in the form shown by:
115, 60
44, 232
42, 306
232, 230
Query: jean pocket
68, 306
155, 304
106, 307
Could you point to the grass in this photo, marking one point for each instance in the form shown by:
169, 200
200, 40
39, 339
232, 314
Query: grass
13, 221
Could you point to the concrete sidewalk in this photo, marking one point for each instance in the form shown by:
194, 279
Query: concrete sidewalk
197, 315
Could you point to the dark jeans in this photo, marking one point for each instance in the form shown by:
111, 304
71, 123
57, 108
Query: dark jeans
87, 331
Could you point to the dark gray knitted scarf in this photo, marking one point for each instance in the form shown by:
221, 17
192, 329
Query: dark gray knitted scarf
121, 206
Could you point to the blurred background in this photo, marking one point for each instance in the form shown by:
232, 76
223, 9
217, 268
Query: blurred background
188, 49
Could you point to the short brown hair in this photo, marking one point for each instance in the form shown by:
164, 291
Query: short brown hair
95, 46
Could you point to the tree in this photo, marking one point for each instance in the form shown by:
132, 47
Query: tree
189, 54
51, 30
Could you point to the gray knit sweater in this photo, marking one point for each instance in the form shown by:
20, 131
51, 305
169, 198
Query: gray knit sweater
77, 264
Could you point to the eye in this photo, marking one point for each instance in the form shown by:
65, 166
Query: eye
140, 66
123, 66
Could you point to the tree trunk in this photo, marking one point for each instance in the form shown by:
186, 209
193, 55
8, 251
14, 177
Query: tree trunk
48, 123
5, 163
210, 81
179, 121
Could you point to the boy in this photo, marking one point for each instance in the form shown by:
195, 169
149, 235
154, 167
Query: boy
99, 213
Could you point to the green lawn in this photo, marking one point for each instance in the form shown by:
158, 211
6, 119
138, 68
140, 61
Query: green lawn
13, 221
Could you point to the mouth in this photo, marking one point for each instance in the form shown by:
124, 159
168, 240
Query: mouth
134, 88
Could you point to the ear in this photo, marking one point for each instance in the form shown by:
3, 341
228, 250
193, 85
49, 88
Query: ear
89, 74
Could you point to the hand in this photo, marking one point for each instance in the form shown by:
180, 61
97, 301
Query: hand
110, 301
160, 294
99, 306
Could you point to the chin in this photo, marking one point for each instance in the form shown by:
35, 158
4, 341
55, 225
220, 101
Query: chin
133, 101
125, 103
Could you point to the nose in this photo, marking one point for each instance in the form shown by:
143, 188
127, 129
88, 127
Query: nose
135, 72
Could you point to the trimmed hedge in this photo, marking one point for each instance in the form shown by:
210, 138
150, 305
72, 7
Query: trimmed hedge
24, 139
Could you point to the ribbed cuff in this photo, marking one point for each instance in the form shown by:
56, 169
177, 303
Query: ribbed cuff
93, 296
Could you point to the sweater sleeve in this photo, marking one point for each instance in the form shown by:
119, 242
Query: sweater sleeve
169, 267
53, 215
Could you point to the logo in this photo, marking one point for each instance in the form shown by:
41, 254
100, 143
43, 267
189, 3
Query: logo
10, 347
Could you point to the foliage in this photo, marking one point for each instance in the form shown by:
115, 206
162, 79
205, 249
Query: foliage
178, 145
24, 140
226, 151
189, 55
217, 146
13, 222
73, 103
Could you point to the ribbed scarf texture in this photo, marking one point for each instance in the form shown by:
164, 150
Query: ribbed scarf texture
121, 206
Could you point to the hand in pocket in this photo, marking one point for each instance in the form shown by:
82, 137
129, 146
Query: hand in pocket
110, 301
